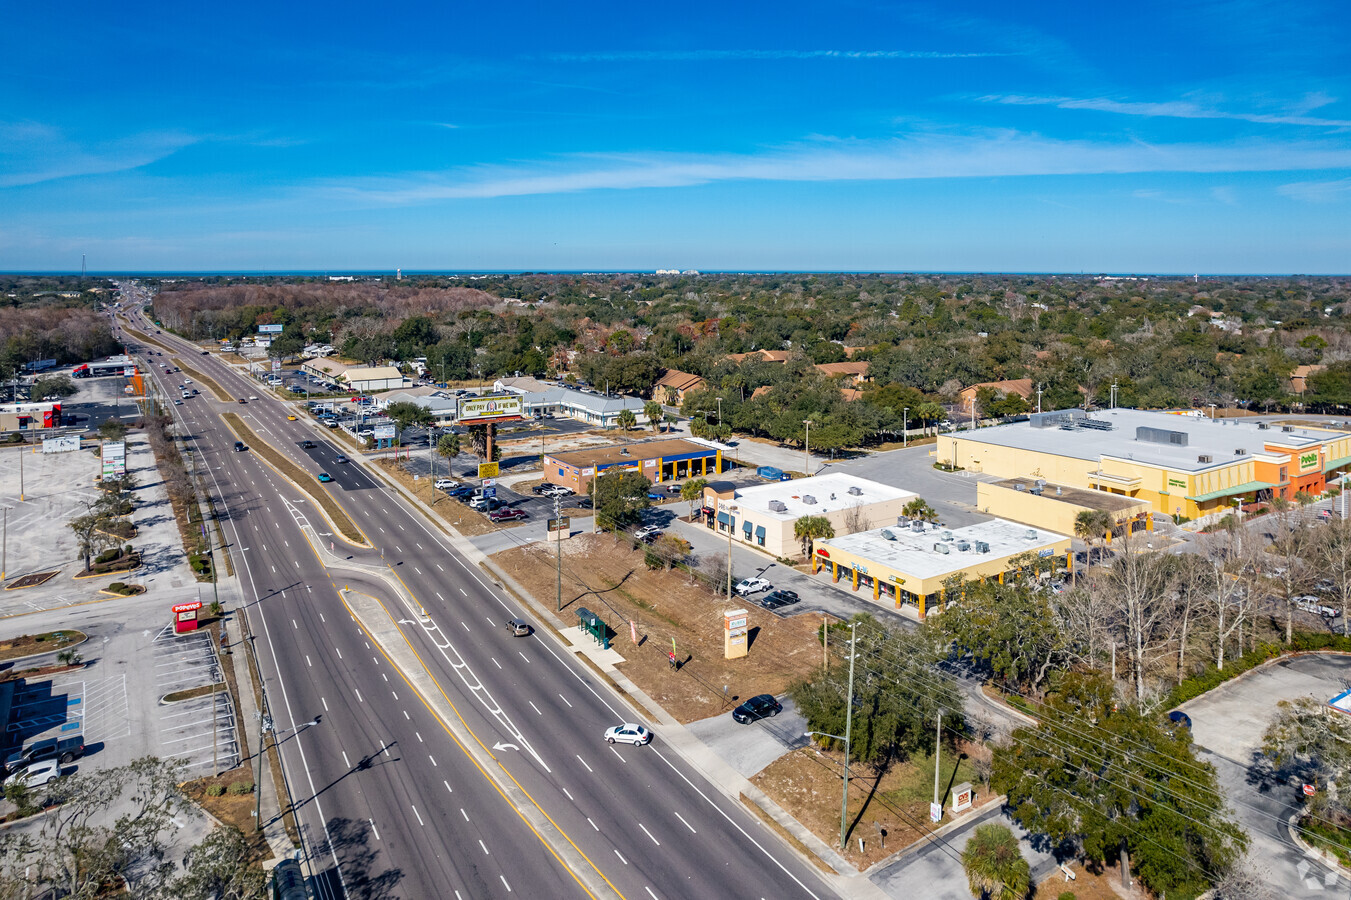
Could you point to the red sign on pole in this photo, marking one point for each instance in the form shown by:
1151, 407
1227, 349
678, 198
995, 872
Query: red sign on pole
1310, 790
185, 617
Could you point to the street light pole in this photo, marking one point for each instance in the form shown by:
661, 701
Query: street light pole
558, 553
938, 749
807, 448
4, 543
905, 427
731, 526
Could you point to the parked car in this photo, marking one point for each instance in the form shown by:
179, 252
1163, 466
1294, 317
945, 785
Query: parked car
648, 533
1325, 515
36, 774
445, 484
508, 515
752, 586
1310, 603
464, 490
485, 504
541, 487
778, 599
628, 733
325, 478
65, 750
761, 707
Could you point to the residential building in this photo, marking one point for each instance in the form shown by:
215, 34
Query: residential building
764, 516
854, 372
1023, 387
672, 387
907, 566
774, 356
1179, 465
1299, 379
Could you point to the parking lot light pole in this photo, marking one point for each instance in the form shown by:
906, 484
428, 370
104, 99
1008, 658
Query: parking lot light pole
264, 726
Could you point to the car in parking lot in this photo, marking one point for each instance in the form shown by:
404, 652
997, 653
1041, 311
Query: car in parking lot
445, 484
761, 707
555, 490
485, 504
1325, 515
628, 733
778, 599
464, 490
36, 774
64, 750
508, 515
1312, 604
648, 533
325, 477
752, 586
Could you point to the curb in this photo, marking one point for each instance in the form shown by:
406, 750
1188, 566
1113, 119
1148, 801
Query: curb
1324, 857
992, 807
1294, 654
19, 659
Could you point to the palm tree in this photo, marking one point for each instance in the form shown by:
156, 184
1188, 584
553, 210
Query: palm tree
929, 413
919, 508
1089, 526
652, 409
692, 491
810, 528
626, 419
993, 864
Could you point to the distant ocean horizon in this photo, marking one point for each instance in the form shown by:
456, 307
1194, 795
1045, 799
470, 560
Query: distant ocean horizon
411, 273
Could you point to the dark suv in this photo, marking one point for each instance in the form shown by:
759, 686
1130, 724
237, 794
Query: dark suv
761, 707
63, 749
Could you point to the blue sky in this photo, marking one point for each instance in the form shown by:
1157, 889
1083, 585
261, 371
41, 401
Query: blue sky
1147, 137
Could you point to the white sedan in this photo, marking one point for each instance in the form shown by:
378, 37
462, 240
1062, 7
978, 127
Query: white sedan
36, 774
752, 586
628, 733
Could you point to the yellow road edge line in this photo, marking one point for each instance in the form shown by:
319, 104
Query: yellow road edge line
463, 749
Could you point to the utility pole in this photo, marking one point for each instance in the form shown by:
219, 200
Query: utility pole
938, 750
807, 448
558, 554
1113, 404
4, 544
848, 726
731, 526
905, 426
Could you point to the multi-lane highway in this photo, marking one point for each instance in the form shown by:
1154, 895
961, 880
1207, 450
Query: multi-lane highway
515, 791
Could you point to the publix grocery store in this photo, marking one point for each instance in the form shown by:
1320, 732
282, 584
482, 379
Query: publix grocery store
1177, 464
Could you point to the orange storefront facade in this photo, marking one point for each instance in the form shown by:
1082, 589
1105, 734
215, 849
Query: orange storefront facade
1298, 471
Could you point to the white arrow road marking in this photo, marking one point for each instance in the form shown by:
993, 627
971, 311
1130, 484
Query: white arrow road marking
503, 746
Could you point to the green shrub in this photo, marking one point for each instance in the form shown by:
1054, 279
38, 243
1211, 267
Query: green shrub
216, 790
1211, 677
652, 560
1066, 895
117, 586
241, 787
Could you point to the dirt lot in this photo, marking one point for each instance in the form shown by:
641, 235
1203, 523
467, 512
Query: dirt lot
1104, 885
806, 783
608, 577
465, 520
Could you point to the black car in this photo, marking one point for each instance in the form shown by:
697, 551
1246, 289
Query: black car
239, 446
541, 487
307, 445
63, 749
761, 707
778, 599
585, 503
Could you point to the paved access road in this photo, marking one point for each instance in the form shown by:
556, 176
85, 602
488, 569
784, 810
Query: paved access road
390, 803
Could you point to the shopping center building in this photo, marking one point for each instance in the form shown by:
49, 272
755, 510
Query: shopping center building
1177, 464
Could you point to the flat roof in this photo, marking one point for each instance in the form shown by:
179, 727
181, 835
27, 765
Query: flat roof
830, 493
613, 454
1217, 438
1077, 496
912, 552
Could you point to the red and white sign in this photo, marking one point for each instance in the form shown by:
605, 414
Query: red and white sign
185, 617
1310, 790
188, 607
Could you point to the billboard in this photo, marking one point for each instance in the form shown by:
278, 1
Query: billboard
63, 444
492, 408
114, 459
270, 329
383, 432
488, 470
276, 366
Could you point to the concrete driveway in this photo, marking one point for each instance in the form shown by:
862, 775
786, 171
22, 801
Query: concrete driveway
749, 748
1227, 725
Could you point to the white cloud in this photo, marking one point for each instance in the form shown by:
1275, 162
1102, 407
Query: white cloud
1174, 109
31, 152
719, 55
1317, 191
921, 156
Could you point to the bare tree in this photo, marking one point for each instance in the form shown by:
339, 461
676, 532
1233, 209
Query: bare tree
1292, 542
856, 520
1333, 548
1140, 589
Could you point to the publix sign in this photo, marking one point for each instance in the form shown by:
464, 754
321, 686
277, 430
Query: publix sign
1308, 461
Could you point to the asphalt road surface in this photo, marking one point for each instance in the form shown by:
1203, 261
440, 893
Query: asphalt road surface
391, 802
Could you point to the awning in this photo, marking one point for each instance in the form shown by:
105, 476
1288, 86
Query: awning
1245, 488
1336, 463
723, 518
759, 531
708, 510
746, 527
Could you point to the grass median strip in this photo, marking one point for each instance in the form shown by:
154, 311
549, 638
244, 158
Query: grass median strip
221, 394
304, 480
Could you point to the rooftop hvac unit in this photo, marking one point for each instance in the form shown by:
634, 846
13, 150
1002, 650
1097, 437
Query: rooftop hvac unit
1204, 457
1041, 482
809, 499
917, 525
963, 546
902, 521
1287, 428
1030, 534
888, 534
1057, 490
1240, 452
1037, 490
1020, 486
947, 536
778, 506
1263, 426
942, 548
856, 491
982, 547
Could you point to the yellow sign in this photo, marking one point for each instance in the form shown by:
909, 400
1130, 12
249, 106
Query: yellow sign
487, 470
1308, 461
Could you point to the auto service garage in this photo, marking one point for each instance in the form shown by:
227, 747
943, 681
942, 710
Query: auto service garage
658, 461
906, 566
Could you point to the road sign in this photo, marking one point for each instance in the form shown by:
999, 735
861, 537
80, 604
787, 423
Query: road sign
935, 812
1310, 790
488, 482
276, 365
487, 470
490, 492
